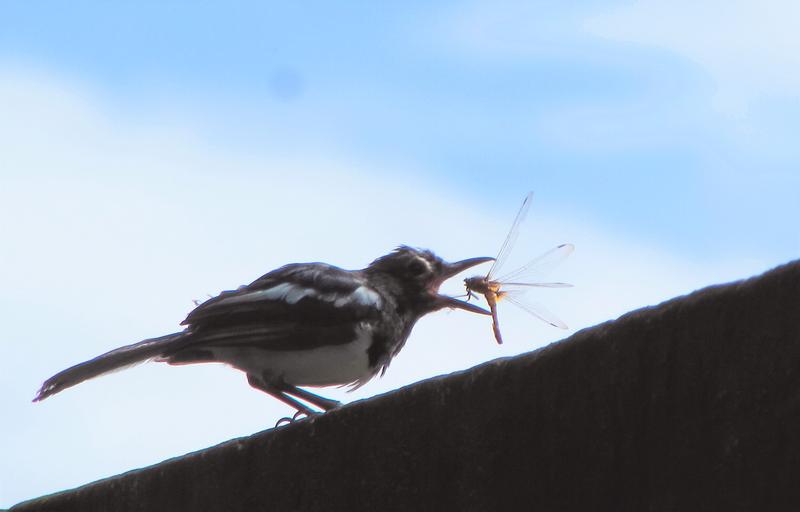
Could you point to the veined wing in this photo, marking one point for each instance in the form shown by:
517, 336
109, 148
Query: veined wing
534, 285
539, 266
511, 238
517, 298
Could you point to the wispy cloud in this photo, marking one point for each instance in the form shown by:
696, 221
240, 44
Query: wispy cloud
514, 30
751, 49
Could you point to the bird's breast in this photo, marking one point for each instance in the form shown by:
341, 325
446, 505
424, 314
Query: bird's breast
326, 365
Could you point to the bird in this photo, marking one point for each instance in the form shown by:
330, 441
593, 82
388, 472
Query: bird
301, 325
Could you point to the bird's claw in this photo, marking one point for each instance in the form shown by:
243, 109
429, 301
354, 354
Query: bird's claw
295, 417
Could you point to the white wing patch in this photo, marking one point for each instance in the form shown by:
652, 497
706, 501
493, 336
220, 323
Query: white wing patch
366, 297
292, 294
284, 291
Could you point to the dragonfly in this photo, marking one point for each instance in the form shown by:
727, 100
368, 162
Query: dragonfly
514, 285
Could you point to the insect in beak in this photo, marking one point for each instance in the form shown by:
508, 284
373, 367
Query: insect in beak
451, 269
511, 286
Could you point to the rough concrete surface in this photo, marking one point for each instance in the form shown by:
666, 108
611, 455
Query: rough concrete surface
690, 405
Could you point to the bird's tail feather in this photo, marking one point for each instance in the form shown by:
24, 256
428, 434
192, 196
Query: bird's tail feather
108, 362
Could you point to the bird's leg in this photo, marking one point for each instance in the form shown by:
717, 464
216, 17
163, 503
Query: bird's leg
278, 393
323, 403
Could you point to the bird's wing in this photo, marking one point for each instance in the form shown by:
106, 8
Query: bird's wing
278, 336
295, 304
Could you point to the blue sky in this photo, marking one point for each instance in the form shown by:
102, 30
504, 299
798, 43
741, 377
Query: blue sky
483, 96
156, 152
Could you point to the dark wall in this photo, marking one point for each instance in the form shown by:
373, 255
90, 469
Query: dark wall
690, 405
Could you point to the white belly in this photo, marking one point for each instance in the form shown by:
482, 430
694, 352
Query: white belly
322, 366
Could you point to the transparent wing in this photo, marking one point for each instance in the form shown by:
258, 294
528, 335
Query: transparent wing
536, 285
537, 267
542, 313
511, 238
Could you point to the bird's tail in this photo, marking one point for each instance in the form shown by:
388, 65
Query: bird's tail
109, 362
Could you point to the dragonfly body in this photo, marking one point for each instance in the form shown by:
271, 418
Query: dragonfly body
492, 293
513, 285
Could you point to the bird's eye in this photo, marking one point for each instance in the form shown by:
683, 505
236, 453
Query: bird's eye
416, 267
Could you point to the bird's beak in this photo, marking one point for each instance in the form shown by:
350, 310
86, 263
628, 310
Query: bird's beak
444, 301
452, 269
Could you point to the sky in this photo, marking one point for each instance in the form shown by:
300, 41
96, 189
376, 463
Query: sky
154, 153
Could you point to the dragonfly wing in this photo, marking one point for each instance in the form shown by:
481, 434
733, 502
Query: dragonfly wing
536, 285
534, 308
539, 266
511, 238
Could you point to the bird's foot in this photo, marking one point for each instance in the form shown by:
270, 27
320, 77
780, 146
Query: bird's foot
295, 417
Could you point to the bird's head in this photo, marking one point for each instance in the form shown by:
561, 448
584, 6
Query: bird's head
419, 273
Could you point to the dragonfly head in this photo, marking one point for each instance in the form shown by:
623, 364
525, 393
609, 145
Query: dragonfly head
451, 269
477, 284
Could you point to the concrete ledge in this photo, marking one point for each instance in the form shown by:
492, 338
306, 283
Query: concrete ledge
690, 405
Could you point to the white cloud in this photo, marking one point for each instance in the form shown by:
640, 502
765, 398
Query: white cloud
751, 49
511, 29
741, 89
110, 228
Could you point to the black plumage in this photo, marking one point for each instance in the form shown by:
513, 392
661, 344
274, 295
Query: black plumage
304, 324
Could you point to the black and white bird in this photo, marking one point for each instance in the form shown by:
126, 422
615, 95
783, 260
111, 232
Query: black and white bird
304, 324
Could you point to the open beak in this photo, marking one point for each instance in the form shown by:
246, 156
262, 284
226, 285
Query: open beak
452, 269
